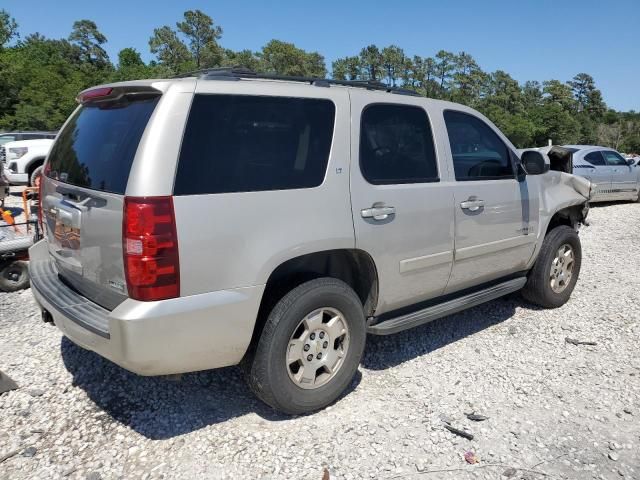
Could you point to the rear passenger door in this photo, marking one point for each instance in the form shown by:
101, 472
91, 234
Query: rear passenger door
492, 208
402, 211
598, 172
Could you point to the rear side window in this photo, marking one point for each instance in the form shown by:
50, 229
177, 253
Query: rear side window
478, 152
396, 145
595, 158
242, 143
97, 147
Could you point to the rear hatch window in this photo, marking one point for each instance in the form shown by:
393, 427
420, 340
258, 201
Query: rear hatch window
97, 147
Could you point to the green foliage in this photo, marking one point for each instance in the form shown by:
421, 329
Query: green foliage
40, 77
286, 59
43, 77
201, 34
8, 28
86, 36
170, 50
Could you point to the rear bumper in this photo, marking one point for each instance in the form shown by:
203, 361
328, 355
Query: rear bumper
179, 335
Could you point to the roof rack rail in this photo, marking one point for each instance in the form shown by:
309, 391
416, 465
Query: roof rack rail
238, 73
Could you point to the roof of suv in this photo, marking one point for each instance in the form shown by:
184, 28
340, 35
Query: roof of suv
234, 74
239, 74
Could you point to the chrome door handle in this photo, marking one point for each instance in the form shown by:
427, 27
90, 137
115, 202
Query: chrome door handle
378, 213
472, 205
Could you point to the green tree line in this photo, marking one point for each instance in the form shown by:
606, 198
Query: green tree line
40, 77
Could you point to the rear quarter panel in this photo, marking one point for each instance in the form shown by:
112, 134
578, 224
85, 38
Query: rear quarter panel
235, 240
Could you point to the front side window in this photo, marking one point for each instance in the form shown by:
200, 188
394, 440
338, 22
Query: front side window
243, 143
595, 158
614, 158
478, 153
396, 145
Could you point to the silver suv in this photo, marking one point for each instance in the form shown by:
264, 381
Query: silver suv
226, 218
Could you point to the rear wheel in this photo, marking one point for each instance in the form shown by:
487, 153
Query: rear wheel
556, 270
14, 276
310, 347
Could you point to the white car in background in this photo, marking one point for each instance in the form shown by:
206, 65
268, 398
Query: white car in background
24, 159
612, 176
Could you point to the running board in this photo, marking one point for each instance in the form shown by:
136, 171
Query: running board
410, 320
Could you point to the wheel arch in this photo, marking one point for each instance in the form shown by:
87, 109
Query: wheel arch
353, 266
33, 164
571, 216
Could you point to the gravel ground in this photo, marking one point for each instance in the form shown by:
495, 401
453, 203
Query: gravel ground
556, 410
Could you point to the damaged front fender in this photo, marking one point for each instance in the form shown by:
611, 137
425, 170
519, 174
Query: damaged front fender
560, 192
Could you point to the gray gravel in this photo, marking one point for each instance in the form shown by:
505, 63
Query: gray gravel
556, 410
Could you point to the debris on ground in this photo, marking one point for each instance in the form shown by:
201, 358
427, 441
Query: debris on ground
471, 458
457, 431
6, 383
573, 341
474, 417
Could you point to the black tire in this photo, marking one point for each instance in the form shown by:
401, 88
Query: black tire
14, 276
267, 371
34, 175
538, 288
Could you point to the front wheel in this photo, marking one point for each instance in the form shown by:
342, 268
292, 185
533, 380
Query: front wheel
310, 347
556, 270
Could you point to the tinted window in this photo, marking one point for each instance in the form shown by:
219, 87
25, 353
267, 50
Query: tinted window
396, 145
614, 158
594, 158
97, 146
241, 143
478, 152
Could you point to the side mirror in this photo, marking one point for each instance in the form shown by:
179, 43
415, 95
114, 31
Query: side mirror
630, 162
534, 163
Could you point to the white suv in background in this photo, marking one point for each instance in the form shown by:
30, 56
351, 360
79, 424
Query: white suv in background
24, 159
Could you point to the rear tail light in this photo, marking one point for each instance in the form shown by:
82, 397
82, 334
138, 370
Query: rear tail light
150, 248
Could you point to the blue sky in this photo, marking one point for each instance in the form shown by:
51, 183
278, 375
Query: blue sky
530, 39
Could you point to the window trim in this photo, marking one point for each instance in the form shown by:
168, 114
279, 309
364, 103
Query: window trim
511, 154
413, 181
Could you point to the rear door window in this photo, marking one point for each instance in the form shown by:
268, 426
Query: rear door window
478, 153
595, 158
97, 146
243, 143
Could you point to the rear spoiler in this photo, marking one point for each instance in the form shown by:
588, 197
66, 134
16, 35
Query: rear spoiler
116, 94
